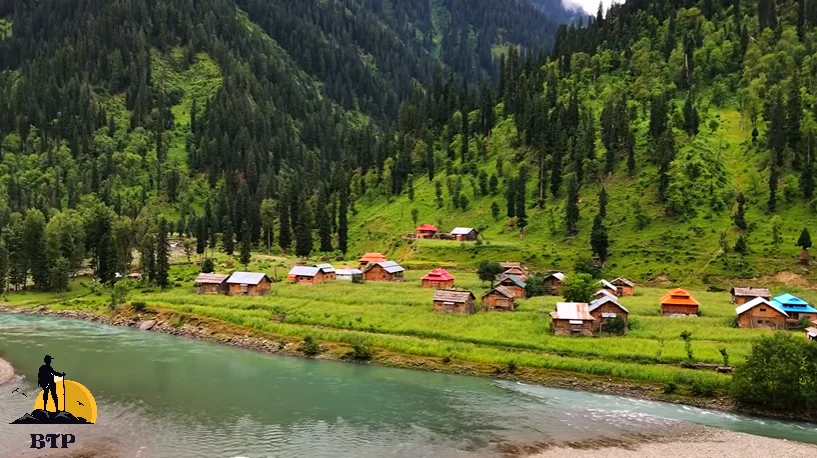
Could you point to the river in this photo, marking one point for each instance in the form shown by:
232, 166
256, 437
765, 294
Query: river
163, 396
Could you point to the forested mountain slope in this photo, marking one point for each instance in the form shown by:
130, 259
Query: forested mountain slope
697, 121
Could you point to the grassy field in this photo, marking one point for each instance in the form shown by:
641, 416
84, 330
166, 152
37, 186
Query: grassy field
398, 317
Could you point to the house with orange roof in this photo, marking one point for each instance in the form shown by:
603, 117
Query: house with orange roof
678, 302
368, 258
518, 272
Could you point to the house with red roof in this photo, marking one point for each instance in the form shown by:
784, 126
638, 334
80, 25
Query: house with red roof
438, 278
426, 231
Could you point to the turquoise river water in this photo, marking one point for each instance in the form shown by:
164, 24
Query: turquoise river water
163, 396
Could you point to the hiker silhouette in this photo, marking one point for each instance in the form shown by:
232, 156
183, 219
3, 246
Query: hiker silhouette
45, 378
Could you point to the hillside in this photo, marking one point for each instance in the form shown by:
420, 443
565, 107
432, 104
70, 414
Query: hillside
677, 113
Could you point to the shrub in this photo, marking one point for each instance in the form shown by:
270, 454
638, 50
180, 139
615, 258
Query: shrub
615, 326
446, 359
138, 306
309, 347
700, 389
207, 266
360, 352
511, 367
670, 388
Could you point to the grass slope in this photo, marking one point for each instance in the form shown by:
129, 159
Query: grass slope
670, 248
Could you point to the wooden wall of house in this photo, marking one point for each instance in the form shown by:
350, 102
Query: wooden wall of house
210, 288
607, 308
624, 290
469, 237
564, 328
260, 289
495, 301
445, 284
672, 309
758, 318
555, 286
378, 273
518, 291
465, 308
316, 280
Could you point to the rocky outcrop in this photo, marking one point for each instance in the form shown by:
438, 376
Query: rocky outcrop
147, 325
45, 417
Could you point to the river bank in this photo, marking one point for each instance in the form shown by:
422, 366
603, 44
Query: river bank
212, 330
701, 444
6, 371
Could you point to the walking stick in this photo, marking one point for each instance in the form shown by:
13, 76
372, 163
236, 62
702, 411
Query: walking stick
64, 400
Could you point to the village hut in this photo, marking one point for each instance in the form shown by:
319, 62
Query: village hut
605, 309
571, 319
499, 299
516, 271
438, 278
454, 301
383, 271
347, 273
369, 258
464, 234
811, 334
510, 265
329, 272
248, 284
426, 231
760, 313
796, 308
604, 293
306, 275
553, 283
678, 302
744, 295
211, 283
514, 284
625, 287
606, 285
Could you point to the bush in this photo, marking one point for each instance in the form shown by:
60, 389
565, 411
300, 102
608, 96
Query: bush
699, 389
207, 266
360, 352
670, 388
138, 306
309, 347
511, 367
615, 326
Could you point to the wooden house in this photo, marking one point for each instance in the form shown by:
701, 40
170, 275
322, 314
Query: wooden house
438, 278
514, 284
606, 285
811, 334
248, 284
499, 299
383, 271
211, 283
328, 271
796, 308
553, 283
454, 301
571, 319
305, 275
518, 272
604, 293
760, 313
464, 234
426, 231
678, 302
510, 265
605, 309
744, 295
625, 287
369, 258
347, 273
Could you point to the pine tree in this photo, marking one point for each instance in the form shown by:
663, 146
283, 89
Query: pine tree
438, 194
804, 241
572, 206
227, 236
740, 218
162, 256
691, 117
4, 268
303, 230
409, 188
598, 239
343, 218
603, 203
807, 180
284, 229
794, 112
773, 178
430, 166
34, 246
246, 244
268, 213
324, 223
630, 145
741, 246
521, 195
201, 237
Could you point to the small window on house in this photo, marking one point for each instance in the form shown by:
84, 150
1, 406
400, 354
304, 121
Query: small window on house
762, 309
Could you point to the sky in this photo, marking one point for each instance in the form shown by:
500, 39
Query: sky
591, 6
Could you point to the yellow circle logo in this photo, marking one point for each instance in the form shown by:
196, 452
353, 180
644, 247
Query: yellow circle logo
73, 398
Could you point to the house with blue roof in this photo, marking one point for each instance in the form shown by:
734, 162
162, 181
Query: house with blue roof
514, 284
795, 307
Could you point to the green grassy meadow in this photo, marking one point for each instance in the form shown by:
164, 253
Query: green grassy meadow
398, 317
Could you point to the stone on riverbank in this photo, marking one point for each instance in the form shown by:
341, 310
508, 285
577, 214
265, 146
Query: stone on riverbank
147, 325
